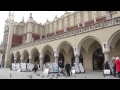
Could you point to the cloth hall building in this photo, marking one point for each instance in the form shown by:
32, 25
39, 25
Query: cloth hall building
90, 37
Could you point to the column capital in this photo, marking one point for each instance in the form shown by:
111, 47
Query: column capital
56, 53
41, 56
76, 51
30, 57
15, 58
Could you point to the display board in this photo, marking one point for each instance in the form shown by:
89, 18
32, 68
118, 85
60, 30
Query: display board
17, 66
50, 66
77, 68
81, 68
23, 67
56, 68
30, 66
13, 66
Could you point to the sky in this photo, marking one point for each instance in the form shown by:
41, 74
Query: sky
39, 16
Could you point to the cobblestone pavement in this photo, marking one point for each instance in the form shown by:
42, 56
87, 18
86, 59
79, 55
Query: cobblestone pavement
5, 74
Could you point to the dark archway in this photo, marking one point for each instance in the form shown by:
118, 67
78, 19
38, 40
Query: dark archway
98, 59
73, 59
46, 59
61, 60
36, 59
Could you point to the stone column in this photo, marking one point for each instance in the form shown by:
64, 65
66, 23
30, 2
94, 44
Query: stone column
1, 55
9, 43
94, 15
106, 55
41, 62
77, 59
106, 50
30, 58
15, 59
56, 56
29, 33
77, 54
21, 58
56, 59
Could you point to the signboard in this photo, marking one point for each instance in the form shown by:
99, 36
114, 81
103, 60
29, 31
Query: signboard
106, 71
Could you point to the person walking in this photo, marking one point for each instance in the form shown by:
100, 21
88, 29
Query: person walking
117, 62
68, 68
114, 66
35, 67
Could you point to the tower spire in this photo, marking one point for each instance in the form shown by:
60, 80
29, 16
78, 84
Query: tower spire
22, 19
30, 16
9, 13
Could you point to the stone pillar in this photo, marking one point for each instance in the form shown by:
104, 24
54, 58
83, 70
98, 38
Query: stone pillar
106, 55
56, 59
76, 54
21, 58
1, 55
106, 50
15, 59
41, 62
9, 43
56, 56
77, 59
30, 58
29, 33
94, 15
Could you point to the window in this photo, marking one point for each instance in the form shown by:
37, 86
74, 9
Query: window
89, 15
98, 13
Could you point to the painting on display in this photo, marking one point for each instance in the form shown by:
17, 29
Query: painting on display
23, 67
77, 68
13, 66
56, 68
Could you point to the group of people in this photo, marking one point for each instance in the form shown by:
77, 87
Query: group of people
114, 66
67, 67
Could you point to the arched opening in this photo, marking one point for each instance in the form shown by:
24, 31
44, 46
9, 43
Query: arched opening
35, 56
87, 47
11, 58
46, 59
66, 52
81, 58
98, 59
48, 54
114, 43
36, 59
61, 60
25, 57
73, 59
18, 57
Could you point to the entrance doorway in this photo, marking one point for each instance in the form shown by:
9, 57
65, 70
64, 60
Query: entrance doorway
61, 60
46, 59
98, 59
36, 59
73, 59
